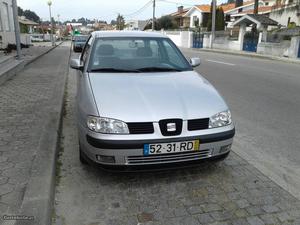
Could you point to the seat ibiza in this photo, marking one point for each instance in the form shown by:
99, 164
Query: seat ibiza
141, 103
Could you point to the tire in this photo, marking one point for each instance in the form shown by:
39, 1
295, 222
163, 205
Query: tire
81, 157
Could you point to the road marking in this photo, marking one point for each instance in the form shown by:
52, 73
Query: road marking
225, 63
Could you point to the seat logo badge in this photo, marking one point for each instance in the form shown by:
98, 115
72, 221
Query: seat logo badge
171, 127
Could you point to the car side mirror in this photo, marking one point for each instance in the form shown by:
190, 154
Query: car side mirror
76, 64
195, 62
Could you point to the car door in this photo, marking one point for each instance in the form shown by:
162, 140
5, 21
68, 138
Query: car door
85, 100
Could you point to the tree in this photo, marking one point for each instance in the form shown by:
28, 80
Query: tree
53, 21
120, 22
113, 22
31, 15
220, 20
165, 22
20, 11
82, 20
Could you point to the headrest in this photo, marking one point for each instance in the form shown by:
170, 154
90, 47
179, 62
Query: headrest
144, 52
105, 50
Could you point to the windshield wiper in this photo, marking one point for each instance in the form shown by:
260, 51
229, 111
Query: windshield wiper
158, 69
114, 70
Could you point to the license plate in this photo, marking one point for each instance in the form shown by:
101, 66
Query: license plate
173, 147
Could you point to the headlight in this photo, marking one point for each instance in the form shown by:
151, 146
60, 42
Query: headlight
220, 119
107, 125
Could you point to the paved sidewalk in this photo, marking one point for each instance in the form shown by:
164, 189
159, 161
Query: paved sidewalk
36, 50
28, 102
9, 66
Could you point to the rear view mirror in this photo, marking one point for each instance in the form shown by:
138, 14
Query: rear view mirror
195, 62
76, 64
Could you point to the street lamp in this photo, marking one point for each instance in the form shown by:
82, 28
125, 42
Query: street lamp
59, 28
51, 34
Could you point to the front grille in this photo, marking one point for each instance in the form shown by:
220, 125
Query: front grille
141, 128
163, 125
198, 124
168, 158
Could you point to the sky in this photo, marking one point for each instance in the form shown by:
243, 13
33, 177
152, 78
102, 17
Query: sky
105, 9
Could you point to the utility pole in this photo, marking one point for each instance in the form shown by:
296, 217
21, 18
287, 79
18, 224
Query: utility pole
255, 11
17, 28
153, 17
213, 23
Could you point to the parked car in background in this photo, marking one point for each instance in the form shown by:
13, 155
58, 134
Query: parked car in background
79, 42
141, 103
37, 37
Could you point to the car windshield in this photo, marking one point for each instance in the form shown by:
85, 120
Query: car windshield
80, 38
130, 54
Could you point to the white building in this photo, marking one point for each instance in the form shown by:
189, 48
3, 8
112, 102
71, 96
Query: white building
136, 24
6, 23
288, 13
197, 14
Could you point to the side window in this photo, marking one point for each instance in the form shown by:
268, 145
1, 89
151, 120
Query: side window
86, 49
172, 54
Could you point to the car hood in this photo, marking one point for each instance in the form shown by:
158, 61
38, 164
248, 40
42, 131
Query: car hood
142, 97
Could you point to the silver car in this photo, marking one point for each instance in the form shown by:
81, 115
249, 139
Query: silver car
140, 103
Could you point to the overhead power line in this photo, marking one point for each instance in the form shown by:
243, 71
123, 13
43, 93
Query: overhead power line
175, 3
144, 7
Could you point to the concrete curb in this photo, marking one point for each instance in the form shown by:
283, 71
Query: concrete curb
39, 194
254, 55
11, 72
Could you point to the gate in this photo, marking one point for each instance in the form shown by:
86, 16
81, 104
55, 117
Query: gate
250, 41
250, 45
198, 39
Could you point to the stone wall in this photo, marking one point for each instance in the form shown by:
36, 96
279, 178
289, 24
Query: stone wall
283, 49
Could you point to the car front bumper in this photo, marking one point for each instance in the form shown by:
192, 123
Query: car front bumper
130, 152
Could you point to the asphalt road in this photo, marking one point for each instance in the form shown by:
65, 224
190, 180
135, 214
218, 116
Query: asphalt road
264, 99
230, 193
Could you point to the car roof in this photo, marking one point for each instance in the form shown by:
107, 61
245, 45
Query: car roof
99, 34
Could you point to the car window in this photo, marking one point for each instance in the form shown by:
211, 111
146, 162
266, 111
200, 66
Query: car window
80, 38
136, 54
86, 50
172, 54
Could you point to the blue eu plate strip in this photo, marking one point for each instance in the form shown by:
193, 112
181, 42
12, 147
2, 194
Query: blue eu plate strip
146, 149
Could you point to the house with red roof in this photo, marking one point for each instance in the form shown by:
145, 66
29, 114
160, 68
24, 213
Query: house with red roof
179, 17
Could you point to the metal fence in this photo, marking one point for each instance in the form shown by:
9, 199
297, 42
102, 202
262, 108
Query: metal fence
231, 34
